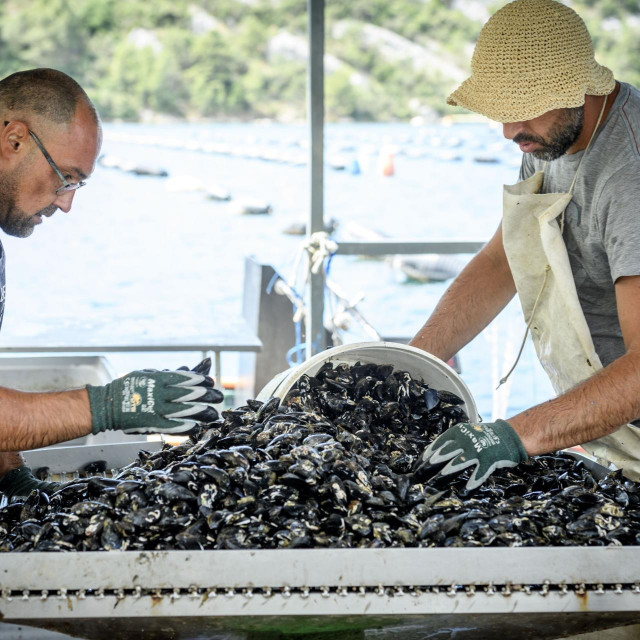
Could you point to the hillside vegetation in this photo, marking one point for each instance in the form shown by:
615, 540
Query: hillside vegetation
244, 59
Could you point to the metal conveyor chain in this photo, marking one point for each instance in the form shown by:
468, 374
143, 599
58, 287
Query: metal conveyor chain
205, 593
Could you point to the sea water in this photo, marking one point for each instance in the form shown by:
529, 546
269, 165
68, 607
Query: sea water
135, 254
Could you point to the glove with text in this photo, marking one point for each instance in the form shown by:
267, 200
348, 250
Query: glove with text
487, 446
151, 401
20, 482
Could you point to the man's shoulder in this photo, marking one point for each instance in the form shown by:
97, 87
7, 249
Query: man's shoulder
616, 153
628, 105
629, 93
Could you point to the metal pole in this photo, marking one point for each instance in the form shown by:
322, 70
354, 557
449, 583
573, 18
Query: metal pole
315, 334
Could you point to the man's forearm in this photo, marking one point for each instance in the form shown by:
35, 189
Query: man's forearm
473, 300
594, 408
32, 420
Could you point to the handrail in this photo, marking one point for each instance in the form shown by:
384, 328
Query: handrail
393, 246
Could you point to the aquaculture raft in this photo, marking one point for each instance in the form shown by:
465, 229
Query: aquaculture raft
516, 592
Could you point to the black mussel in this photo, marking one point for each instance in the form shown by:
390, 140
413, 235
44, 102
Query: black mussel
450, 398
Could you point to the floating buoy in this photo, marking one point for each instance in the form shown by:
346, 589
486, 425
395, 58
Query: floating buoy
386, 164
354, 167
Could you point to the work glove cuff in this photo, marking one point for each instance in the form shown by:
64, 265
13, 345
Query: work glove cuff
511, 440
100, 406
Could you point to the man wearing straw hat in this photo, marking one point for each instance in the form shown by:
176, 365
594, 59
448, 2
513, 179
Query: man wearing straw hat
568, 245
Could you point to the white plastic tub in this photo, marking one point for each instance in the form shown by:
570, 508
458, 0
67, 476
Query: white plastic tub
418, 363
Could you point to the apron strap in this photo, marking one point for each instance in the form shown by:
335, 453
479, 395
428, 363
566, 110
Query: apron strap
575, 177
526, 333
547, 269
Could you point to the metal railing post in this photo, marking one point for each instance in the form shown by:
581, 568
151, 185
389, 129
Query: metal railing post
315, 334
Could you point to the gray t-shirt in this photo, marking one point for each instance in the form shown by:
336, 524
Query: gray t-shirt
602, 221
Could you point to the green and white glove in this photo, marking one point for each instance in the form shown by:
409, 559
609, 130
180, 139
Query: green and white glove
21, 482
151, 401
486, 445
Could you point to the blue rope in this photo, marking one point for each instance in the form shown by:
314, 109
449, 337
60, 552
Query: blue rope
295, 355
328, 267
274, 278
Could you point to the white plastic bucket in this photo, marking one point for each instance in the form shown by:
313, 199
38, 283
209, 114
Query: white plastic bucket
420, 364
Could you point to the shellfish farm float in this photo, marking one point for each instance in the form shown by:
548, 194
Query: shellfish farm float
315, 593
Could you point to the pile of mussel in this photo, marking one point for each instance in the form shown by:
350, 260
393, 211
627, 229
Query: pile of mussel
333, 465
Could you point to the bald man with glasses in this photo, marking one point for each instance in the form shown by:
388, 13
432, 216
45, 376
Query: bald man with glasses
49, 142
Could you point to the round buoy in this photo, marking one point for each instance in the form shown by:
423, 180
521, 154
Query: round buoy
386, 164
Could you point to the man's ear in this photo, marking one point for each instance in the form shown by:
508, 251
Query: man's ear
13, 135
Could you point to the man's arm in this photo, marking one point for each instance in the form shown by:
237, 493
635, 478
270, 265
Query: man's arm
474, 299
146, 401
32, 420
600, 404
592, 409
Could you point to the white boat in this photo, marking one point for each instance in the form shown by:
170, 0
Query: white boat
214, 192
144, 170
486, 159
337, 162
251, 206
114, 162
300, 228
428, 267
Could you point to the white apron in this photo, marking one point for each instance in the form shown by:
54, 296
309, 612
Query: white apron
540, 266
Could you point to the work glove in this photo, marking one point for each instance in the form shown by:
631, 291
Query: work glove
151, 401
21, 482
203, 367
487, 446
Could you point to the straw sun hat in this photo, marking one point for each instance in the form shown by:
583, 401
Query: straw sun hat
532, 56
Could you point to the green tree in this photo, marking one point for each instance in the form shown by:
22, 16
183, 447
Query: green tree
215, 76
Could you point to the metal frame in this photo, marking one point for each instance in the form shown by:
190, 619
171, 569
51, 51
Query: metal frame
315, 106
320, 568
358, 588
399, 246
247, 343
66, 462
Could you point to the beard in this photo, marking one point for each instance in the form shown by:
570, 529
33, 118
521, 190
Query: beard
14, 221
562, 135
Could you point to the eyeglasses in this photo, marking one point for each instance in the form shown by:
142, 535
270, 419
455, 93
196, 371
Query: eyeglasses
66, 186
